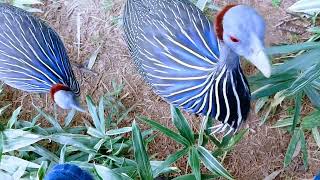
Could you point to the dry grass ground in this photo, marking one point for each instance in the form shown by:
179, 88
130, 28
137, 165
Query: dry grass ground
88, 25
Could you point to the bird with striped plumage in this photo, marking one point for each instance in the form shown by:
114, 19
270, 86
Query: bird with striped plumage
192, 63
34, 59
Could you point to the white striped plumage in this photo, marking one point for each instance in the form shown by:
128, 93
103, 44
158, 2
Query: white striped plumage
32, 55
174, 47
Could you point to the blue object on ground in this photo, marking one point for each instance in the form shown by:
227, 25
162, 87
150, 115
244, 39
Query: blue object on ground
317, 177
67, 172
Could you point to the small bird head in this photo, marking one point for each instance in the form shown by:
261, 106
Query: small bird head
242, 29
65, 98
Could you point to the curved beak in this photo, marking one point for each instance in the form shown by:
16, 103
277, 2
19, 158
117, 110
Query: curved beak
76, 105
258, 57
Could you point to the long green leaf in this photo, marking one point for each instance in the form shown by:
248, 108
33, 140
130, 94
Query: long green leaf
212, 163
201, 4
93, 111
191, 177
72, 140
170, 160
101, 115
118, 131
292, 147
306, 6
42, 170
156, 164
15, 139
313, 94
311, 121
1, 144
286, 49
301, 62
45, 153
304, 150
106, 173
283, 123
298, 100
4, 108
69, 117
173, 135
140, 154
11, 164
303, 80
316, 136
50, 119
14, 117
62, 154
182, 124
194, 161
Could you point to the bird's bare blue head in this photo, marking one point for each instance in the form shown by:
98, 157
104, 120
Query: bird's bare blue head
65, 98
242, 29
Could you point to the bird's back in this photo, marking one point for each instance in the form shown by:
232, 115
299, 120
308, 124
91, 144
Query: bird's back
32, 56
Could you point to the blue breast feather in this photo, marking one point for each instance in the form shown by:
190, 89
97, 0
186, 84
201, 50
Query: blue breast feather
32, 56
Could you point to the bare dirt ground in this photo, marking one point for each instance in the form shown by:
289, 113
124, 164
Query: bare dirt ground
86, 26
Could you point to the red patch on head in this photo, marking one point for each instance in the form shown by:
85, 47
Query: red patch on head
219, 19
57, 87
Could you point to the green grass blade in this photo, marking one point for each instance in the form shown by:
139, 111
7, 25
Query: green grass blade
171, 134
50, 119
20, 171
298, 101
96, 147
13, 118
4, 108
101, 115
95, 132
182, 124
292, 147
42, 170
170, 160
11, 163
140, 154
311, 121
201, 4
313, 95
62, 154
286, 49
299, 63
191, 177
72, 140
106, 173
283, 123
43, 152
69, 117
93, 111
1, 144
203, 127
194, 161
234, 140
304, 150
212, 163
119, 131
316, 136
303, 80
15, 139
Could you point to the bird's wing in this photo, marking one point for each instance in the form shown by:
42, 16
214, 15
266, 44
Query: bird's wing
174, 46
32, 56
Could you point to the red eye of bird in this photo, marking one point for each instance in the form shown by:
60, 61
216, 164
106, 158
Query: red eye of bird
233, 39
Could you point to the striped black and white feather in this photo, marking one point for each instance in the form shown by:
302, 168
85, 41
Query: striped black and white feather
175, 49
32, 56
